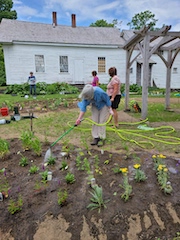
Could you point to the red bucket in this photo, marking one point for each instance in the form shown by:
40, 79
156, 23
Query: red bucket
4, 111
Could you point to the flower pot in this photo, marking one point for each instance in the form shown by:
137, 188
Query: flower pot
4, 111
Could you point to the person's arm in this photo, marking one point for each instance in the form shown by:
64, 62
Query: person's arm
79, 119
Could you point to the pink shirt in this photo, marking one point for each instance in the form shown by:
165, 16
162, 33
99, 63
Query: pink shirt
95, 81
110, 86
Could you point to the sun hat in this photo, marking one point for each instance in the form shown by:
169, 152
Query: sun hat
87, 92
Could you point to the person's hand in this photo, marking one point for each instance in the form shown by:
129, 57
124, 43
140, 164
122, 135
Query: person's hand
112, 99
111, 111
78, 121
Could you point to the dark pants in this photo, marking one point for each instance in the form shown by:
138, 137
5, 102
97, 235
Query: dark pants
33, 89
116, 101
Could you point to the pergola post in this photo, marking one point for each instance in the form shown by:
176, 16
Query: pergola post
127, 81
168, 81
145, 76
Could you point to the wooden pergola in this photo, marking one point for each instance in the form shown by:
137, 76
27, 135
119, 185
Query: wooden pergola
148, 43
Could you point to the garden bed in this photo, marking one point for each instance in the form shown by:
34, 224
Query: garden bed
147, 213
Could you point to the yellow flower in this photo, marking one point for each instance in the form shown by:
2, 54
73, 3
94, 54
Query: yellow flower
153, 156
160, 167
165, 169
136, 166
124, 170
162, 156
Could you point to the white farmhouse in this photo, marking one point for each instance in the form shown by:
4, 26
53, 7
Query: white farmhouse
58, 53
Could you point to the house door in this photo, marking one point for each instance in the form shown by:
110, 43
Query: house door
138, 74
78, 71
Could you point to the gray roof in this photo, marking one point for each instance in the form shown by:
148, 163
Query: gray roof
21, 31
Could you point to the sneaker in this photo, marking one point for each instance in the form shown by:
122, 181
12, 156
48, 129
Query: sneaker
95, 141
101, 142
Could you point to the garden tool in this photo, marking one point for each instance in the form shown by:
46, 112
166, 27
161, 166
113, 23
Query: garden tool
48, 153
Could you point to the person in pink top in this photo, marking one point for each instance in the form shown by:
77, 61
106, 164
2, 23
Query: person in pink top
114, 92
95, 81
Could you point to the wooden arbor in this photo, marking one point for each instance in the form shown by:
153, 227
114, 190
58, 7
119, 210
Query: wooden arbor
148, 43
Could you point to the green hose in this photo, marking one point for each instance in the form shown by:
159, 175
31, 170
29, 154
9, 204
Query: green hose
160, 133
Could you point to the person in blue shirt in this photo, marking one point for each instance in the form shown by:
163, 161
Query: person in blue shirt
32, 84
100, 108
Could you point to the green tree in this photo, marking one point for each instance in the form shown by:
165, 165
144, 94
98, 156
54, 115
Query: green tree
2, 68
143, 19
5, 10
104, 23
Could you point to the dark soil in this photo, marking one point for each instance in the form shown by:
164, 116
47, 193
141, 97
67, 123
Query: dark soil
148, 214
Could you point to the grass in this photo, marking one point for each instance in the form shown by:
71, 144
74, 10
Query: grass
48, 127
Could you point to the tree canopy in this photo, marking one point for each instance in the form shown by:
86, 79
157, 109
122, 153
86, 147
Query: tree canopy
103, 23
143, 19
6, 10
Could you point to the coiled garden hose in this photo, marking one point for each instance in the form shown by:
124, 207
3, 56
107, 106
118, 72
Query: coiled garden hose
142, 131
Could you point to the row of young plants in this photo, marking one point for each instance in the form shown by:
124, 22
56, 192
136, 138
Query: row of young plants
83, 163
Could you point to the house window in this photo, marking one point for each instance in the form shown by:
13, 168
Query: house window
131, 70
101, 64
63, 62
175, 70
39, 63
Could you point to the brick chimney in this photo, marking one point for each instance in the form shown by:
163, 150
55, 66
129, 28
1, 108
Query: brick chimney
73, 17
54, 18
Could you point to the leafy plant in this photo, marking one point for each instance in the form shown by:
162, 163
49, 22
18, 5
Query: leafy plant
126, 186
97, 199
162, 173
36, 146
70, 178
4, 147
26, 138
15, 206
62, 196
23, 161
33, 169
44, 176
4, 185
64, 165
139, 176
116, 169
51, 160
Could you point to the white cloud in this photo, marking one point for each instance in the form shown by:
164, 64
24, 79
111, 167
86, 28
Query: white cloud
88, 11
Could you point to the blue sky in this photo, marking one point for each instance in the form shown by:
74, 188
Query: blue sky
89, 11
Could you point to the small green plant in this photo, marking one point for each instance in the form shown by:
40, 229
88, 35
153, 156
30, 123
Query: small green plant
70, 178
23, 161
15, 206
44, 176
86, 165
96, 162
64, 165
79, 164
177, 236
162, 173
62, 197
36, 146
139, 176
4, 185
116, 169
4, 147
97, 199
51, 160
33, 169
26, 138
126, 186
